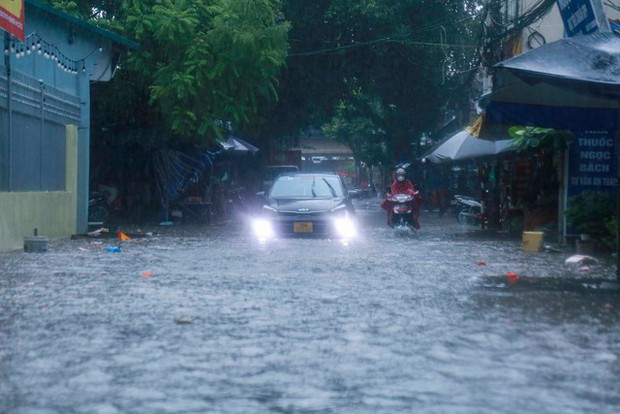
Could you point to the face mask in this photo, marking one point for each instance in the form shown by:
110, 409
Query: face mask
400, 178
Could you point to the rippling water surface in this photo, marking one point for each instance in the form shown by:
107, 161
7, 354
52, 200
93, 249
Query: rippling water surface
206, 320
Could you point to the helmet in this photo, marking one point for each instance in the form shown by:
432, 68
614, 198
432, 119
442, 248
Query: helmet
401, 171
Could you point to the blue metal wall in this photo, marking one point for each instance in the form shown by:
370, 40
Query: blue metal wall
32, 133
44, 86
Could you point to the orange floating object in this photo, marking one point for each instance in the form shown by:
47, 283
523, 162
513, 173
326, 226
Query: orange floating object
123, 236
512, 276
147, 274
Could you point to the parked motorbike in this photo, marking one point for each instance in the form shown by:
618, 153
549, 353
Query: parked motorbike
470, 211
98, 207
102, 203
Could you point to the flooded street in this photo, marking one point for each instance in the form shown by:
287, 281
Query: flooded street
207, 320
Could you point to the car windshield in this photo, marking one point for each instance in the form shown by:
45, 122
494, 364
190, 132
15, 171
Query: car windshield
307, 186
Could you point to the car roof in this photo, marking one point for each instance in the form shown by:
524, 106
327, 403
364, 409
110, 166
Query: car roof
310, 174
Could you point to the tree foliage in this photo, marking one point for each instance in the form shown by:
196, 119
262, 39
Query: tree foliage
413, 57
212, 61
592, 213
275, 67
201, 64
530, 137
358, 123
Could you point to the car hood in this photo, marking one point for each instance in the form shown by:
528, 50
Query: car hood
306, 205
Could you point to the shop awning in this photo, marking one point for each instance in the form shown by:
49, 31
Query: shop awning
567, 84
589, 64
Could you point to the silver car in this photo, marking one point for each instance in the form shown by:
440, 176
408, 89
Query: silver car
307, 204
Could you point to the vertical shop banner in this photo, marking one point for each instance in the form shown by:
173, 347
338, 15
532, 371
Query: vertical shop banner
592, 163
12, 17
583, 16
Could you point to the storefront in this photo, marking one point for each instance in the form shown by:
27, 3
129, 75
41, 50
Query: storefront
529, 192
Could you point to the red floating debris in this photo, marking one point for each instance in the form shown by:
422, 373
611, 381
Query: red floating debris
512, 276
481, 263
148, 274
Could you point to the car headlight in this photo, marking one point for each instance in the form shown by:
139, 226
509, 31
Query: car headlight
263, 229
345, 227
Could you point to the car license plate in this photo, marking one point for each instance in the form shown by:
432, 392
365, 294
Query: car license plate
302, 227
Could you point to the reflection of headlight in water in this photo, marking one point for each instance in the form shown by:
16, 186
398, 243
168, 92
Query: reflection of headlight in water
263, 229
345, 227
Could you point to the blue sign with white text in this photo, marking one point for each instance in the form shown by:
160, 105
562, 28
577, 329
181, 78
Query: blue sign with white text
581, 16
592, 163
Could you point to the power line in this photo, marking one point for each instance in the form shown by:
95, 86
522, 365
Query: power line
396, 39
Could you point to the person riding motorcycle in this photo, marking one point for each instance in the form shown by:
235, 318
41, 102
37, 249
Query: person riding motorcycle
401, 185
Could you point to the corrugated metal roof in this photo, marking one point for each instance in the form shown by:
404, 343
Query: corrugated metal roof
593, 58
130, 44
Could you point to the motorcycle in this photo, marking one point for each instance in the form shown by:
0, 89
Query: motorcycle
470, 211
402, 211
98, 207
101, 204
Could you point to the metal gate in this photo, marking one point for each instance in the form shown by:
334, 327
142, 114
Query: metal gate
33, 117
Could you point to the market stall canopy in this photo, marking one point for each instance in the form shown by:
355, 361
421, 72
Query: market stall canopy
464, 146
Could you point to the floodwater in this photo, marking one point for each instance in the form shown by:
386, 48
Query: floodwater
204, 319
